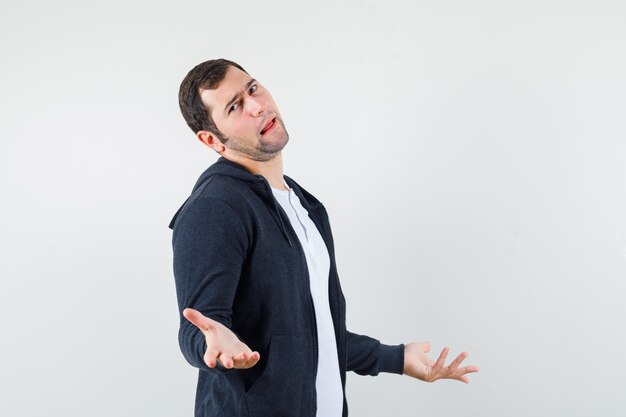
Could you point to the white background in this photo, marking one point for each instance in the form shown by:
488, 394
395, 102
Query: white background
471, 156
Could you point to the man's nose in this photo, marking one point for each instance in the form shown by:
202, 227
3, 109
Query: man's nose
257, 106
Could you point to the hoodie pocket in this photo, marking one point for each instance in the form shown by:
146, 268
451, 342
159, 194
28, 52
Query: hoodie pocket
278, 391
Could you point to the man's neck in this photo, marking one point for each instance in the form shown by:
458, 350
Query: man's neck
272, 170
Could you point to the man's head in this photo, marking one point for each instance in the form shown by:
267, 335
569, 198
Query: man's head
228, 111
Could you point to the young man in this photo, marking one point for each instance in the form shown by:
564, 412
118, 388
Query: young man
262, 314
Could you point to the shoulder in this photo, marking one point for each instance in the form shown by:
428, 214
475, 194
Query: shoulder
223, 188
219, 198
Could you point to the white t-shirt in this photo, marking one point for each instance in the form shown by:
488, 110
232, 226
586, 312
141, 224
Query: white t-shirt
328, 382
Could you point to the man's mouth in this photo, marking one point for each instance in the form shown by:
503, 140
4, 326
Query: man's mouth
269, 126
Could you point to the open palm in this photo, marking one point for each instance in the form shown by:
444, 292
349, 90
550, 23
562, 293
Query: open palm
419, 365
222, 344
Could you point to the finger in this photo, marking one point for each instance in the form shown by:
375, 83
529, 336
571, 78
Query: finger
467, 369
198, 319
240, 360
438, 366
460, 373
225, 360
246, 364
253, 358
455, 364
426, 347
210, 358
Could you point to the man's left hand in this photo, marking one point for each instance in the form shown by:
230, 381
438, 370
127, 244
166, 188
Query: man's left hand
418, 365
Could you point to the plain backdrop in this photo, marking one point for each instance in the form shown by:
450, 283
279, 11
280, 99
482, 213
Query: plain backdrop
471, 156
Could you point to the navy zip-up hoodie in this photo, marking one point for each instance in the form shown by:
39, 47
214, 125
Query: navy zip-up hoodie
238, 260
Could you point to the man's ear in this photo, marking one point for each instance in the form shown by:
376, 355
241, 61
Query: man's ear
210, 140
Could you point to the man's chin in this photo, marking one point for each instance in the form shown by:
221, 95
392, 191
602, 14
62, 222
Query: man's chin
263, 151
273, 146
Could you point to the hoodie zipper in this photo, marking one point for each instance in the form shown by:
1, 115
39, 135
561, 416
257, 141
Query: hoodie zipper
315, 345
309, 298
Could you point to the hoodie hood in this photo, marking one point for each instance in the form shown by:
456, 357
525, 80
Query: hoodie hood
258, 183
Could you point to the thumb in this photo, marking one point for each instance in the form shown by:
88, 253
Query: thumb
198, 319
426, 346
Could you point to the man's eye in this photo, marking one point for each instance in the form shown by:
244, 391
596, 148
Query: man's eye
252, 90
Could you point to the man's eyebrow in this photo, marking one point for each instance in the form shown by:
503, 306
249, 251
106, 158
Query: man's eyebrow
232, 100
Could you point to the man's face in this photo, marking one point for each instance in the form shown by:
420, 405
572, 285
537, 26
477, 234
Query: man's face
241, 108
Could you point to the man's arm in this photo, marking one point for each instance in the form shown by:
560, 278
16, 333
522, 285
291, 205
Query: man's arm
367, 356
210, 245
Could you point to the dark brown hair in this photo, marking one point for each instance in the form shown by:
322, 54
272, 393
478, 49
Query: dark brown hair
204, 76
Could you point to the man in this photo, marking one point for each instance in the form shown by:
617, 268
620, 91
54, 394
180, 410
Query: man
262, 311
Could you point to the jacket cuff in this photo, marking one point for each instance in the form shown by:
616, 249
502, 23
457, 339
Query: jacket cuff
391, 359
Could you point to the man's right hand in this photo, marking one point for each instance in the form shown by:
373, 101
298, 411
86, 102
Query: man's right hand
221, 343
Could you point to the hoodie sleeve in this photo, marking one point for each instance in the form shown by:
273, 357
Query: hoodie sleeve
367, 356
210, 246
